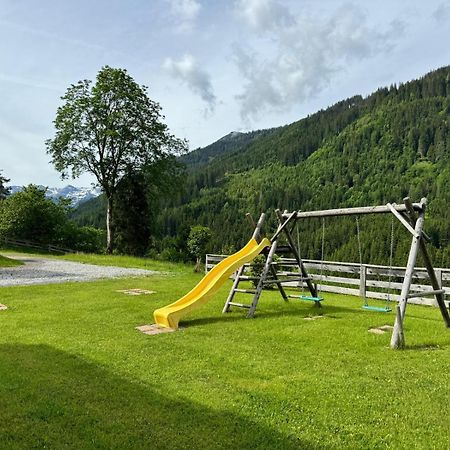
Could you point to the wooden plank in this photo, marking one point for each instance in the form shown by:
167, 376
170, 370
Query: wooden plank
283, 225
402, 220
397, 340
266, 269
298, 259
352, 211
239, 305
425, 293
428, 264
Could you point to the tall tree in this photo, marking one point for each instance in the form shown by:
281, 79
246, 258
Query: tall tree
4, 191
106, 127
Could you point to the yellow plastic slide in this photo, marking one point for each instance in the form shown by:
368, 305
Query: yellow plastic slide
170, 315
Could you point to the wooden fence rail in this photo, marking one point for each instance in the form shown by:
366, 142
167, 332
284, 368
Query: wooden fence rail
368, 280
49, 248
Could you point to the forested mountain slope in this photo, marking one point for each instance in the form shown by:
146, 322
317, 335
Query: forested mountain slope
358, 152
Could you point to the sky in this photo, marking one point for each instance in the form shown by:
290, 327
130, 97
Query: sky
214, 66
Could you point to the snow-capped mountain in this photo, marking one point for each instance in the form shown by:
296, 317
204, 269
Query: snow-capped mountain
76, 194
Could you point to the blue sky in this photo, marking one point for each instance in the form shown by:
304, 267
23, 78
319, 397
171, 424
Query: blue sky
214, 66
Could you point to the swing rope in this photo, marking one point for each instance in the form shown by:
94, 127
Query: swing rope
366, 305
322, 255
391, 257
302, 281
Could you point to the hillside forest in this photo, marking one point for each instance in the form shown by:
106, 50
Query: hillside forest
361, 151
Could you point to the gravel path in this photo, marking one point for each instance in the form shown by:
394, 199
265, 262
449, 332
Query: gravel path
46, 271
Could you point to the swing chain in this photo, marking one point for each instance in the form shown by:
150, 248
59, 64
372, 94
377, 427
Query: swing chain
322, 254
391, 257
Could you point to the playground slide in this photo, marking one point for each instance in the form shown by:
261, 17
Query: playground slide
170, 315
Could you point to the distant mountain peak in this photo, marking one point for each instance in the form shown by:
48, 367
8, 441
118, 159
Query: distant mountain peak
77, 195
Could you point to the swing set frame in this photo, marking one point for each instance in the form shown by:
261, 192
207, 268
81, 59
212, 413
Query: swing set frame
410, 215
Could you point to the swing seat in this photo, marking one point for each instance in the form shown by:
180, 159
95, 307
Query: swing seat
310, 299
377, 308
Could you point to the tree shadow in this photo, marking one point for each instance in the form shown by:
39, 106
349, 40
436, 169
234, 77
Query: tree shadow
52, 399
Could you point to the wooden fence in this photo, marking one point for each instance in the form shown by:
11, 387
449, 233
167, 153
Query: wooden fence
370, 280
29, 244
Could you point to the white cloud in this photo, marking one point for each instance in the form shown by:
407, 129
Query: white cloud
301, 54
263, 15
442, 13
197, 80
185, 13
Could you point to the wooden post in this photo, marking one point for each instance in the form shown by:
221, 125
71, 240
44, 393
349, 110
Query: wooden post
362, 281
312, 288
435, 283
397, 340
259, 288
256, 235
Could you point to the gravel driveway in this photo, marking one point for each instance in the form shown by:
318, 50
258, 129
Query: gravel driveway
38, 270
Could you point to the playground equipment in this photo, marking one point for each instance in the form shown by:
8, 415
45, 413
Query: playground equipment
410, 215
170, 315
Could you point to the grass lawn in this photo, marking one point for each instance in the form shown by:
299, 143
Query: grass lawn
8, 262
74, 373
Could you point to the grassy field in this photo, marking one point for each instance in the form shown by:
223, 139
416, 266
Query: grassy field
74, 373
8, 262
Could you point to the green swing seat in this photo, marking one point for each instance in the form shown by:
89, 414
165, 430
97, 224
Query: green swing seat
377, 308
309, 299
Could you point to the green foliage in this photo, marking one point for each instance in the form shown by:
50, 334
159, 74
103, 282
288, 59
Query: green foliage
30, 215
8, 262
106, 128
198, 240
4, 191
370, 151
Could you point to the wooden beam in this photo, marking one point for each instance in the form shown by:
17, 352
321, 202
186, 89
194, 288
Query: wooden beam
352, 211
440, 298
425, 293
402, 220
283, 225
397, 339
298, 259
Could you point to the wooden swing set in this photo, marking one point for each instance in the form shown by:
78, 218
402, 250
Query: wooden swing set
410, 215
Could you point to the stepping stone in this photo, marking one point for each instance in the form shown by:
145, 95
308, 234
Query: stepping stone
3, 307
154, 329
136, 291
381, 330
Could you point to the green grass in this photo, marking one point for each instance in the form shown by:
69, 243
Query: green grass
8, 262
74, 373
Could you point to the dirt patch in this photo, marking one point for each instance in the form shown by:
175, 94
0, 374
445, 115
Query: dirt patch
136, 291
313, 317
154, 329
381, 330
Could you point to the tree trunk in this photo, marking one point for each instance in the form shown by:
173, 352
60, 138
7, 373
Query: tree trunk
109, 226
197, 265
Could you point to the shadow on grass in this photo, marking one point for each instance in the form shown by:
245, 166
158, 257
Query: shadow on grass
52, 399
241, 314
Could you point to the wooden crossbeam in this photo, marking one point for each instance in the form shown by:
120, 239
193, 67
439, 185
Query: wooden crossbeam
383, 209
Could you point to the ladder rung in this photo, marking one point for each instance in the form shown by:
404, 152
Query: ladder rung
245, 291
425, 293
247, 277
292, 274
282, 281
239, 305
